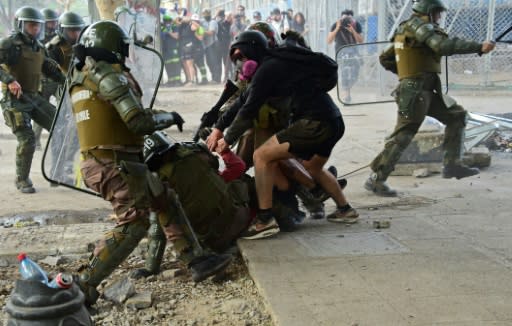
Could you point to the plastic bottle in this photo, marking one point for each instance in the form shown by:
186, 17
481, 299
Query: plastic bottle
61, 281
30, 270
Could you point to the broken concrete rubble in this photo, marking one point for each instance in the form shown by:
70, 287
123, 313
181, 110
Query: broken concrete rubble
484, 132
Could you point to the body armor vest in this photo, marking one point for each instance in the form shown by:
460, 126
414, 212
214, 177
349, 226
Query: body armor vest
99, 125
28, 69
67, 52
413, 57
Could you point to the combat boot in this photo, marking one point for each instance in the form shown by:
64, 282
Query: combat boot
458, 171
205, 266
90, 293
379, 187
25, 186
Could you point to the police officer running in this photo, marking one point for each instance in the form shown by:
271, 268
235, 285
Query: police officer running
419, 44
111, 123
23, 61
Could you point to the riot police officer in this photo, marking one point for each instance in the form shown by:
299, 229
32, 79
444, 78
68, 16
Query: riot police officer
59, 47
419, 44
111, 123
24, 60
51, 18
48, 86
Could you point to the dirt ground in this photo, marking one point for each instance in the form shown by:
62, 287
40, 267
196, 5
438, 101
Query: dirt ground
230, 300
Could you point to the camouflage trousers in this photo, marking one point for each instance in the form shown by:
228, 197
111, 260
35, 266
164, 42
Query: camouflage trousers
104, 177
18, 114
416, 100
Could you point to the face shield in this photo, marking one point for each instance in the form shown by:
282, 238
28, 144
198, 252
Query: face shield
32, 29
71, 34
438, 16
50, 27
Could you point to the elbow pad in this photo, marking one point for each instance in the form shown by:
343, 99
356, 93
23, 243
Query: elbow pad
113, 86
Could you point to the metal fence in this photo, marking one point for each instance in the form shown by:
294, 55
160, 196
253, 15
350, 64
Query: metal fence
477, 20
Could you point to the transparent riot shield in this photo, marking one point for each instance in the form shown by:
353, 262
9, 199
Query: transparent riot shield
145, 62
61, 158
362, 79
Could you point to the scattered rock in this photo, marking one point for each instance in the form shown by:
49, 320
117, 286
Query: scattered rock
381, 224
53, 260
421, 173
120, 291
4, 263
140, 300
172, 273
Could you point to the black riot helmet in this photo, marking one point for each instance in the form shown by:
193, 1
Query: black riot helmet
431, 8
155, 146
50, 22
70, 21
427, 7
251, 44
49, 15
27, 14
104, 40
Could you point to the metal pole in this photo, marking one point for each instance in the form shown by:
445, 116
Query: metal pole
398, 19
381, 20
490, 33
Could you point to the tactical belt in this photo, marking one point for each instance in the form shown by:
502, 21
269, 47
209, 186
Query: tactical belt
112, 155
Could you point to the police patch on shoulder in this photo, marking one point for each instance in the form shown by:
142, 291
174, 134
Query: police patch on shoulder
81, 96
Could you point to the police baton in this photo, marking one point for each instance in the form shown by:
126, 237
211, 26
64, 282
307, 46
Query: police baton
183, 220
498, 39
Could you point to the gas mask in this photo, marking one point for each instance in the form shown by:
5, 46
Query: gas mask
246, 69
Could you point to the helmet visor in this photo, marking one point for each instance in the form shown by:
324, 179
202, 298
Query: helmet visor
438, 16
32, 29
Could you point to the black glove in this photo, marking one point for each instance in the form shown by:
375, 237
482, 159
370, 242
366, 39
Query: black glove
203, 133
178, 120
166, 119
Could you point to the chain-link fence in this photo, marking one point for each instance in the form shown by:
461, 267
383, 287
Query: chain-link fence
477, 20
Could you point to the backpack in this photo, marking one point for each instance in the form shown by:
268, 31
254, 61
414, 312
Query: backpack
320, 70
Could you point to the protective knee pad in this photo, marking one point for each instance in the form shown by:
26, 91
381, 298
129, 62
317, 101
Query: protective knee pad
459, 117
26, 142
24, 152
115, 247
156, 246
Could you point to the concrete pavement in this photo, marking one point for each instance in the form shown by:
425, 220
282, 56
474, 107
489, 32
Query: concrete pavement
445, 260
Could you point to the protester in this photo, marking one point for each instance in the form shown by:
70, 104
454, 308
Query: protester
315, 128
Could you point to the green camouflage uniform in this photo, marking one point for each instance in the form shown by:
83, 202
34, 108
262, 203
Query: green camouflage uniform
24, 60
416, 57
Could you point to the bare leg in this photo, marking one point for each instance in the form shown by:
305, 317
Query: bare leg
325, 179
265, 164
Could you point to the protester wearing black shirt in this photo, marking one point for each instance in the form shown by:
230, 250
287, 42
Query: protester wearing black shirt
316, 126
